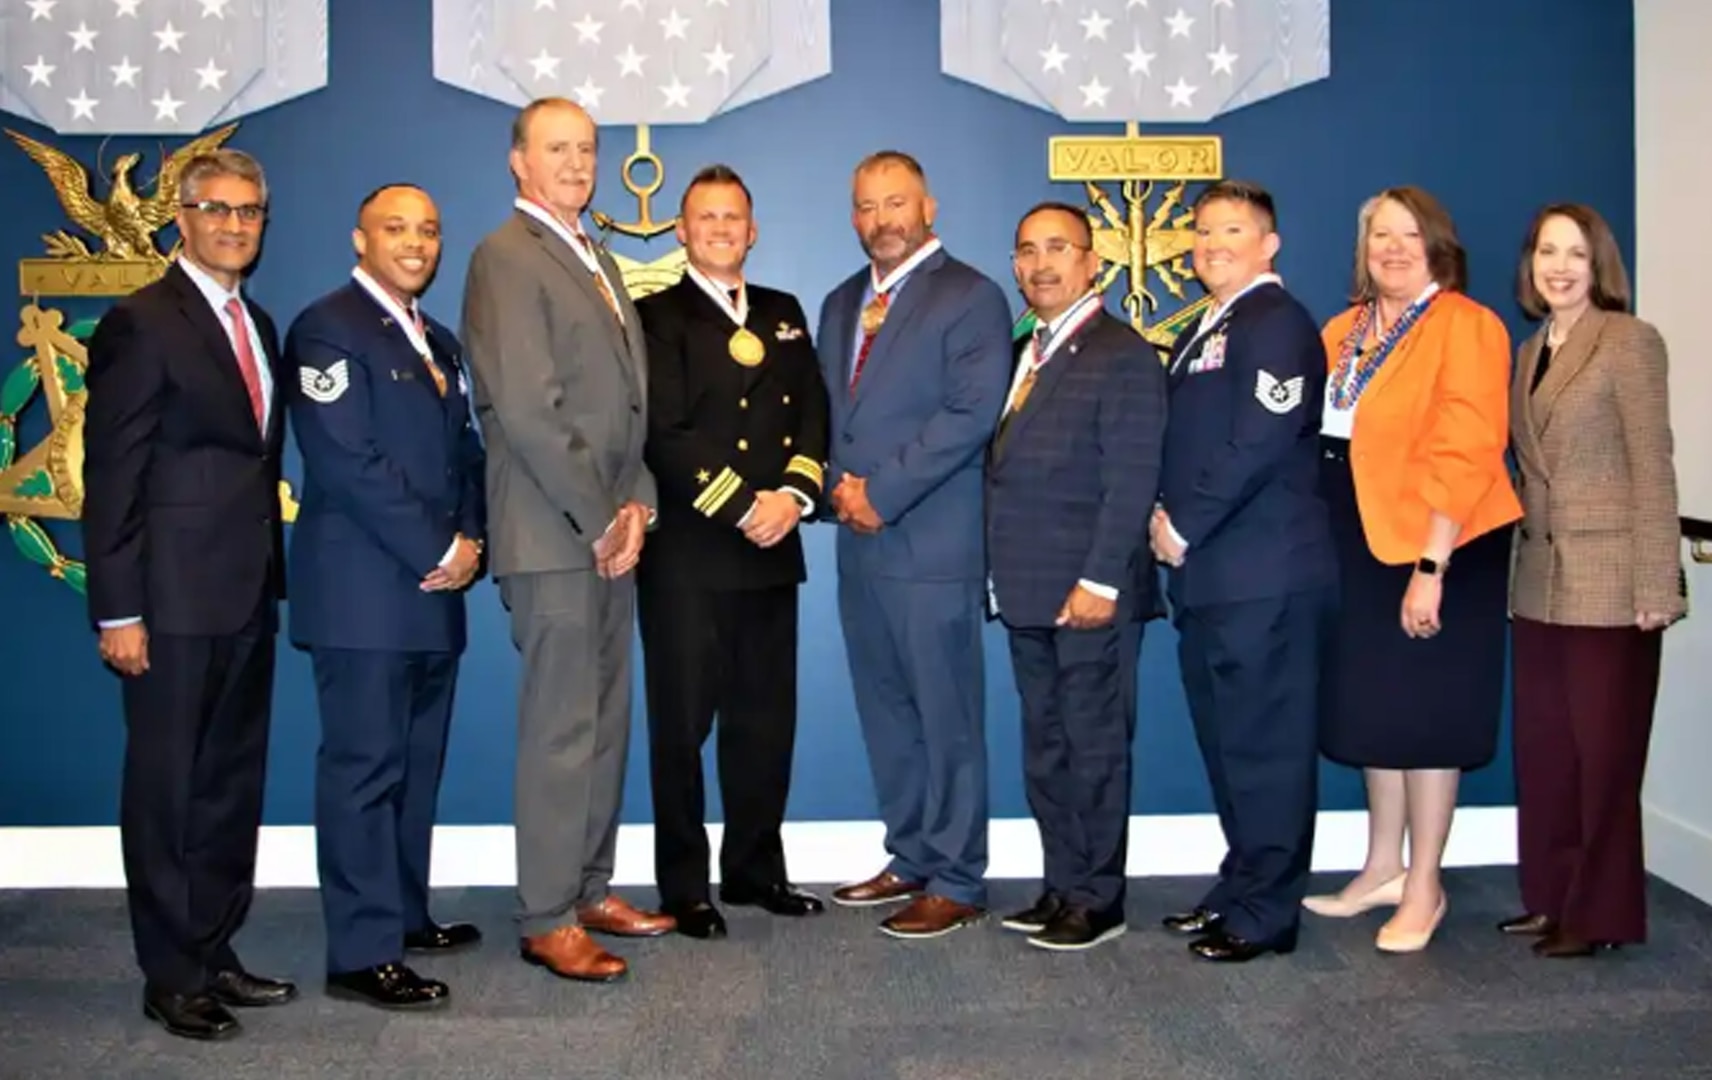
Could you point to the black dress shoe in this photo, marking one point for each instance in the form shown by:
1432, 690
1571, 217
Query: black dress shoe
1528, 926
1223, 947
190, 1016
1076, 928
1033, 920
781, 898
246, 991
437, 938
1199, 921
698, 920
387, 986
1559, 945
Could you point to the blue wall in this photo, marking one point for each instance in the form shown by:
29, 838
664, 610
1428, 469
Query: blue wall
1497, 107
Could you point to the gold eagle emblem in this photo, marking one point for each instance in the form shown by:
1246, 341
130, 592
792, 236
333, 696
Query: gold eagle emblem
126, 222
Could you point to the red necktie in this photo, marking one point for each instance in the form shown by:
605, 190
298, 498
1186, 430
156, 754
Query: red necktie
247, 360
873, 317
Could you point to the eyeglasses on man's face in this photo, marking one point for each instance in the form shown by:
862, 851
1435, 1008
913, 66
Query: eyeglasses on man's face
249, 213
1056, 248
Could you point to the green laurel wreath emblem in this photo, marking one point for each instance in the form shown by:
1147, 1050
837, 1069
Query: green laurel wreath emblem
20, 387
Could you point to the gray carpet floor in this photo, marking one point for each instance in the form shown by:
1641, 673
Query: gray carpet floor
832, 998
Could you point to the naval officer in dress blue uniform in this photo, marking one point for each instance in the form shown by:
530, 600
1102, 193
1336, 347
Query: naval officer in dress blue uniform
389, 534
1252, 572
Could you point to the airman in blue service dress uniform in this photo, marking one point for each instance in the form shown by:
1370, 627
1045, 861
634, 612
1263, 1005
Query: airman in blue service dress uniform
1252, 571
389, 533
737, 444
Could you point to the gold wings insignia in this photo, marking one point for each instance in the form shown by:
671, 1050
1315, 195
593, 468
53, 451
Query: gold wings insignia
70, 182
159, 208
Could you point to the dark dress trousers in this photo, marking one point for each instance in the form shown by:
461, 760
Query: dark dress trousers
1070, 483
718, 614
181, 528
910, 597
391, 472
1254, 598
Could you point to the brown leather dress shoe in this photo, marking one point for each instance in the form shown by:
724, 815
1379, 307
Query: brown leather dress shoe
882, 888
931, 916
617, 917
570, 953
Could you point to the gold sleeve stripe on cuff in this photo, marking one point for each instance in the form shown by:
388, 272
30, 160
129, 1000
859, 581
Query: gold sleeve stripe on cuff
718, 493
807, 466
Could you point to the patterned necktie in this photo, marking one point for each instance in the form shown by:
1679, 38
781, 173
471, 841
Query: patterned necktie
1026, 387
873, 317
247, 360
434, 371
600, 280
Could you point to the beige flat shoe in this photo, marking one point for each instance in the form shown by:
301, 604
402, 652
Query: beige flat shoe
1393, 940
1334, 906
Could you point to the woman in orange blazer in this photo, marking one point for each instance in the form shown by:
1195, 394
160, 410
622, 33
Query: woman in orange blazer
1598, 576
1414, 429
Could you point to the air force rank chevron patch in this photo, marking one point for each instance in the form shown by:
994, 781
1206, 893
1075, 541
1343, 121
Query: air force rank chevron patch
326, 387
1278, 396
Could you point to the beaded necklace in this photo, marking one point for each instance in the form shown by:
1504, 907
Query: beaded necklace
1348, 380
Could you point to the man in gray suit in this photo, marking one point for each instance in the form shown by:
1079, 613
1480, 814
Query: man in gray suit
561, 392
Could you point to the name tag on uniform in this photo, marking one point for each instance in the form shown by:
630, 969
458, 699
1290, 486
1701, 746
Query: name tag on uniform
1212, 356
403, 376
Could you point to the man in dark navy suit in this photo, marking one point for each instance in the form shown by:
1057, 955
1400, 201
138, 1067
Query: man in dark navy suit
389, 534
737, 446
915, 350
1069, 487
1252, 571
181, 535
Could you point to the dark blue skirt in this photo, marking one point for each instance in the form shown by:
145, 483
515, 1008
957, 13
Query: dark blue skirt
1390, 701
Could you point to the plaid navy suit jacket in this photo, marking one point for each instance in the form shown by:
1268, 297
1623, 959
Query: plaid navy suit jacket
1071, 482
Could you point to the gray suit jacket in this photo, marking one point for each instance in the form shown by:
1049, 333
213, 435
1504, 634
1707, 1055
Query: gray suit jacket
561, 394
1599, 538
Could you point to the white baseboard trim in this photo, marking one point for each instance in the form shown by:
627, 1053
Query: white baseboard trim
1679, 852
817, 851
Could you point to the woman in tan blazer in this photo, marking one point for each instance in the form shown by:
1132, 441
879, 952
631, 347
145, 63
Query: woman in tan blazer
1597, 578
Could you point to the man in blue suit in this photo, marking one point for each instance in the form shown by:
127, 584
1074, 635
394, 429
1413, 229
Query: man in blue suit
1070, 484
389, 533
915, 351
1253, 574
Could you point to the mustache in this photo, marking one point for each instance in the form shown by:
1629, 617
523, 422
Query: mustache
1044, 278
884, 231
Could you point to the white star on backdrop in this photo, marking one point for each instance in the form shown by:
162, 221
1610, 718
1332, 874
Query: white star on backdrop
1225, 3
209, 76
1140, 60
1180, 23
169, 38
588, 30
166, 106
546, 66
718, 60
1094, 92
40, 72
214, 8
546, 5
674, 25
630, 61
1135, 3
677, 94
1223, 61
1094, 26
1182, 94
637, 4
83, 106
588, 94
1052, 59
83, 38
42, 9
124, 72
126, 7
